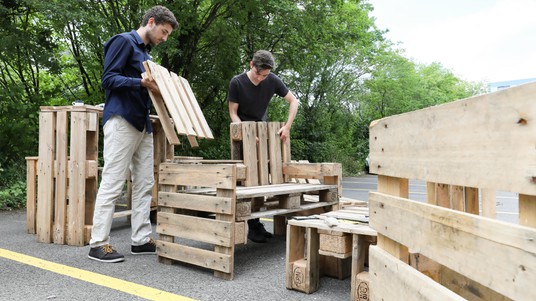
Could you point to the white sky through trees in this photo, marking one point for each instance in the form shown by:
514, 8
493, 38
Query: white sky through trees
479, 40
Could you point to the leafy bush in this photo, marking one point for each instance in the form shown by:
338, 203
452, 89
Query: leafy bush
12, 187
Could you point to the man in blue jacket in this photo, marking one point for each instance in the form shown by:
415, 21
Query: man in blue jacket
128, 138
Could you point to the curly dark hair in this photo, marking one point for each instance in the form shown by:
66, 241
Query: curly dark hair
161, 15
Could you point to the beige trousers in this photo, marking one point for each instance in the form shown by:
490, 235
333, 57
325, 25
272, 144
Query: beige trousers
125, 149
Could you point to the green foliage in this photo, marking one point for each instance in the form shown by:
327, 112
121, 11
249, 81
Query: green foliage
329, 52
12, 187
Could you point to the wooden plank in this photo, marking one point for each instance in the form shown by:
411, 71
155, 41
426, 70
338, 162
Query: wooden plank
31, 196
224, 249
204, 175
162, 112
397, 187
183, 97
527, 210
45, 179
489, 202
358, 229
272, 190
61, 173
285, 152
276, 160
462, 242
249, 149
167, 97
471, 200
492, 128
405, 283
295, 251
77, 180
196, 202
316, 208
197, 109
360, 252
178, 104
195, 228
312, 170
195, 256
262, 153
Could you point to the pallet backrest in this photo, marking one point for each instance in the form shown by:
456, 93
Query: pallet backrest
261, 149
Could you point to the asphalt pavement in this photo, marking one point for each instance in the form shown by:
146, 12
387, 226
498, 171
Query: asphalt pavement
38, 271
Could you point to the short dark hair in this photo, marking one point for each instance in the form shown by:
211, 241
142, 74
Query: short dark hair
263, 59
161, 15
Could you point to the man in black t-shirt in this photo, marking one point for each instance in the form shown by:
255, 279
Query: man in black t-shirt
249, 95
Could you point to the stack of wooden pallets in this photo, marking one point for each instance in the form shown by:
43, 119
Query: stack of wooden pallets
332, 244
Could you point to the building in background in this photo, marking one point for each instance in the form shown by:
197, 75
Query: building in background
492, 87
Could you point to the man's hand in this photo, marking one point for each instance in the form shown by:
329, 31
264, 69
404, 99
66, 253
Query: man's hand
284, 133
150, 85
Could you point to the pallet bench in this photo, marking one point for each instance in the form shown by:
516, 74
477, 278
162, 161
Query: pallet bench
445, 249
315, 249
219, 196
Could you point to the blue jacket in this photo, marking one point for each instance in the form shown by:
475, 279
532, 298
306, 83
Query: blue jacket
124, 55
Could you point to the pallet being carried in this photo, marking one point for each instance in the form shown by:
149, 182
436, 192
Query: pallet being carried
216, 198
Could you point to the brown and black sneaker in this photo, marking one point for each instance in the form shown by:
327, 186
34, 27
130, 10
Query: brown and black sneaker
146, 249
105, 253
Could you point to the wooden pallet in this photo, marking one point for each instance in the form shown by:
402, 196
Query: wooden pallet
62, 180
315, 248
177, 103
445, 249
209, 195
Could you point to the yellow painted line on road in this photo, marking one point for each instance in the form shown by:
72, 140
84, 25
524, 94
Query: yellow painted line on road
131, 288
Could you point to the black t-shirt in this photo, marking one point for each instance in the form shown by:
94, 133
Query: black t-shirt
253, 100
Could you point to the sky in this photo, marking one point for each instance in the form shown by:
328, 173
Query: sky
479, 40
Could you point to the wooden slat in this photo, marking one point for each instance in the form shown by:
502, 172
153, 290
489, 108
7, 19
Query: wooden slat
183, 97
77, 180
162, 112
178, 104
226, 250
249, 148
199, 257
320, 207
167, 97
492, 128
205, 203
276, 160
61, 173
262, 153
403, 281
45, 179
312, 170
527, 210
195, 228
197, 109
31, 196
462, 242
271, 190
204, 175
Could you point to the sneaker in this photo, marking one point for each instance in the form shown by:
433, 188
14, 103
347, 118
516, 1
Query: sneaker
256, 236
105, 253
262, 230
147, 249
